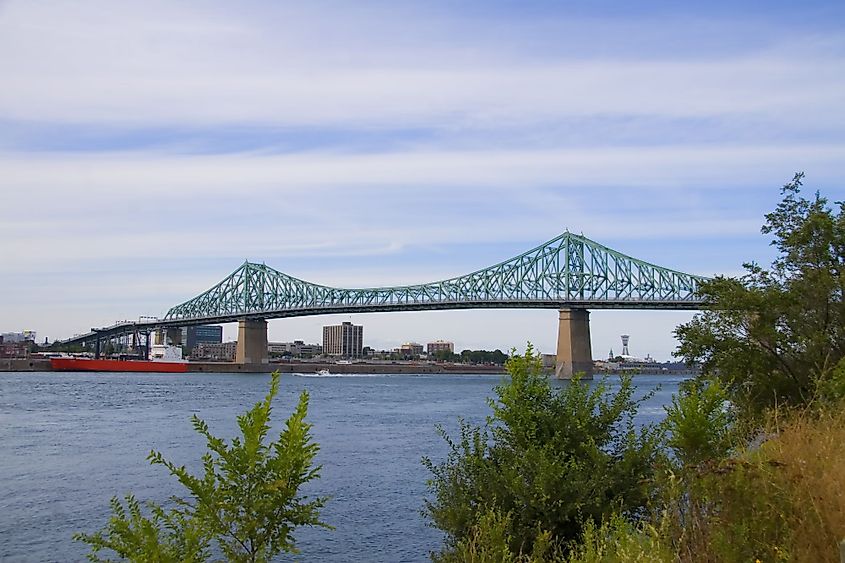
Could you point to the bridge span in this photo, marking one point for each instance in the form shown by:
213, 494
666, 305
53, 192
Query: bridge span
570, 273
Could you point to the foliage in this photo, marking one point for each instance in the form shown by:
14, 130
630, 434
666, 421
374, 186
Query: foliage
550, 459
445, 356
489, 542
164, 537
619, 541
773, 335
780, 501
699, 423
496, 357
247, 501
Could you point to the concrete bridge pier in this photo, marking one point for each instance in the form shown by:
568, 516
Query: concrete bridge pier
252, 342
574, 352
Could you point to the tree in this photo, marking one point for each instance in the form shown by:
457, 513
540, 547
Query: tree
776, 336
546, 462
247, 501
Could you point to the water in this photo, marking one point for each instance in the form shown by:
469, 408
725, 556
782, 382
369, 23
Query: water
71, 441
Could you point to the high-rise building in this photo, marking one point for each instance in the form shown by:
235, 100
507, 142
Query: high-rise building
625, 338
440, 346
344, 340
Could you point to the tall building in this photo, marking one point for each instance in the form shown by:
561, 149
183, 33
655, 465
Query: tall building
625, 338
208, 334
344, 340
440, 346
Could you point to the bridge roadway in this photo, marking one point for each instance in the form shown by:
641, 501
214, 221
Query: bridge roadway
569, 273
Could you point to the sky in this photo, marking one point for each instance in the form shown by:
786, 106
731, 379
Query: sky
148, 148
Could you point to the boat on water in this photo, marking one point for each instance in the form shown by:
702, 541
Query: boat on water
163, 359
101, 364
323, 372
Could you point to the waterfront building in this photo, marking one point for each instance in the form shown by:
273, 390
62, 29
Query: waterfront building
24, 336
410, 349
440, 346
14, 348
296, 349
344, 340
217, 352
194, 335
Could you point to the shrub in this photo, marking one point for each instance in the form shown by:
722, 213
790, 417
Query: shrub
247, 501
551, 460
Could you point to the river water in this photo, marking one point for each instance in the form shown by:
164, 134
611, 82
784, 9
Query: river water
71, 441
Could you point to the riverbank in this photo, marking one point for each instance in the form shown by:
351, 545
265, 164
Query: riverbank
41, 364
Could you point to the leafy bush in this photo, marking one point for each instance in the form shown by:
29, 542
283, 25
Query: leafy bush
551, 460
699, 423
247, 501
775, 335
779, 501
619, 541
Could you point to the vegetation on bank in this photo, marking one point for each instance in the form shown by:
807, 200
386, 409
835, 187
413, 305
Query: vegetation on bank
245, 506
749, 464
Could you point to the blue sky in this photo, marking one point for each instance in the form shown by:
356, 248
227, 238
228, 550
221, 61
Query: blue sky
148, 148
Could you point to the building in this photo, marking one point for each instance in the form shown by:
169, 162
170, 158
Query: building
410, 349
193, 335
440, 346
26, 335
344, 340
13, 348
296, 349
216, 352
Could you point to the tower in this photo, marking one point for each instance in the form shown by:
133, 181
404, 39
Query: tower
625, 338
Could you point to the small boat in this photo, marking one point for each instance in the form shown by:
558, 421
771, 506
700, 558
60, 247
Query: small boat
323, 372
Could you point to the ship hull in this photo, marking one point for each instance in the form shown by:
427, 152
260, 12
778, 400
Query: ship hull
87, 364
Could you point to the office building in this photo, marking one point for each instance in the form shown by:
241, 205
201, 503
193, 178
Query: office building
440, 346
216, 352
296, 349
194, 335
410, 349
344, 340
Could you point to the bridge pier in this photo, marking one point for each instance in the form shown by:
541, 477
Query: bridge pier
252, 342
574, 352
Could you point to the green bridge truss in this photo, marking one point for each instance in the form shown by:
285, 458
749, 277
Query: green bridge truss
567, 271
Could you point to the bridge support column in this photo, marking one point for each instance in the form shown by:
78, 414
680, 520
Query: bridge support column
574, 352
252, 342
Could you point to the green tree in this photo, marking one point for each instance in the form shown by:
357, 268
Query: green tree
247, 500
775, 336
699, 423
549, 459
445, 356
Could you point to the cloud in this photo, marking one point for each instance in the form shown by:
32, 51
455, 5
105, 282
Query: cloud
148, 148
195, 65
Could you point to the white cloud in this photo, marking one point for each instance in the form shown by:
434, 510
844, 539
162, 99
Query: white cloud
193, 64
72, 225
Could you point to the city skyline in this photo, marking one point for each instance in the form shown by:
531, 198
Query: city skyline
147, 149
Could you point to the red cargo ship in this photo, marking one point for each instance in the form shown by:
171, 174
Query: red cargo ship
89, 364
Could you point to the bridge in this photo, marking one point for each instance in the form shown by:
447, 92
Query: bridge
570, 273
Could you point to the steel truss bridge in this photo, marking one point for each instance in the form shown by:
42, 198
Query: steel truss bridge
569, 271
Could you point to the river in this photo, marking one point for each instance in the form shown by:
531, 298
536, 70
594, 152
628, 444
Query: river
71, 441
